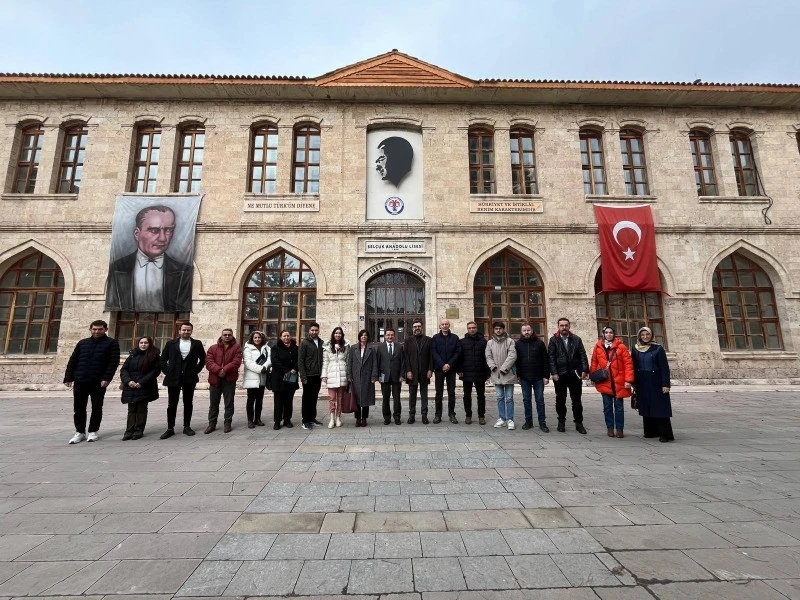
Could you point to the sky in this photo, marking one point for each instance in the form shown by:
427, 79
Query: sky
732, 41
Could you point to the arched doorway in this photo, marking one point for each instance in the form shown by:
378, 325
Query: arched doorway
394, 299
508, 288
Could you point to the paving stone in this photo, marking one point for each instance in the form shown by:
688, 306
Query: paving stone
380, 576
242, 546
436, 544
474, 520
749, 590
491, 500
39, 577
641, 515
145, 577
661, 565
323, 577
398, 545
126, 504
124, 523
748, 563
14, 546
788, 587
657, 537
392, 503
464, 502
47, 524
485, 543
428, 502
351, 546
529, 541
573, 540
685, 513
9, 569
597, 516
205, 504
214, 522
358, 504
271, 504
546, 518
438, 574
623, 593
338, 523
729, 511
412, 488
211, 578
400, 521
265, 578
302, 546
279, 523
752, 534
487, 573
324, 504
74, 547
56, 505
536, 572
164, 545
589, 498
584, 569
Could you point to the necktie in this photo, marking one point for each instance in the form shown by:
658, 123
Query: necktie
391, 349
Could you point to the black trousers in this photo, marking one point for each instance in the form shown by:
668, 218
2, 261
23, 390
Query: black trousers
362, 412
308, 406
412, 397
173, 393
480, 392
137, 417
283, 406
574, 384
392, 389
255, 402
657, 427
440, 377
81, 392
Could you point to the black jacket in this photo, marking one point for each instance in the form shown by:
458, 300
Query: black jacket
533, 363
473, 358
132, 370
309, 359
93, 360
178, 371
446, 351
567, 359
283, 360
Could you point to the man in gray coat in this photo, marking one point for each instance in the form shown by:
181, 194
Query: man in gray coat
501, 354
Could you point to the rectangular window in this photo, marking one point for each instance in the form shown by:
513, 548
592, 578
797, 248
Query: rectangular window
594, 171
190, 159
481, 162
747, 179
145, 162
70, 172
523, 162
703, 160
633, 164
263, 169
30, 153
161, 327
306, 159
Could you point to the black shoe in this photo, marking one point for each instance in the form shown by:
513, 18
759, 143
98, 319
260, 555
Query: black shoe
544, 427
276, 426
137, 436
127, 436
188, 430
425, 419
167, 434
527, 425
397, 420
259, 422
453, 420
580, 428
411, 420
288, 424
251, 425
561, 427
664, 439
437, 419
386, 420
315, 422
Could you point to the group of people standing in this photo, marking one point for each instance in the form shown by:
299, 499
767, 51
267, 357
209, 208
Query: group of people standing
350, 372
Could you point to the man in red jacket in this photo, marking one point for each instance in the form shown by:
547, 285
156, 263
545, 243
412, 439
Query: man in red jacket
223, 360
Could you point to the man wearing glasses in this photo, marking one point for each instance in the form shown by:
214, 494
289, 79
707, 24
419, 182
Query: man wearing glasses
419, 369
149, 280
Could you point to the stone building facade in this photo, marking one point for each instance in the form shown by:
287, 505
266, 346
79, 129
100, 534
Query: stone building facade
728, 250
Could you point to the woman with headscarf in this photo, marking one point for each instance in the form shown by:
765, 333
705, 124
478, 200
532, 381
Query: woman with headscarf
651, 382
611, 355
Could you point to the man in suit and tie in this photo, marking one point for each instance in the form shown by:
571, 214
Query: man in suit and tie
391, 368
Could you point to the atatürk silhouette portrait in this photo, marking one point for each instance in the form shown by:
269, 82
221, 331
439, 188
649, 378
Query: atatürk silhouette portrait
395, 158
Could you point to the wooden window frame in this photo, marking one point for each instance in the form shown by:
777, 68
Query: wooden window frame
190, 133
396, 299
517, 136
137, 321
744, 163
30, 166
149, 164
266, 185
486, 285
70, 171
734, 268
52, 307
629, 167
591, 187
478, 168
698, 138
269, 317
306, 132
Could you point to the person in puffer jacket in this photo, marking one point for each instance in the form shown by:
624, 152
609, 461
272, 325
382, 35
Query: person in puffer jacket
612, 355
334, 373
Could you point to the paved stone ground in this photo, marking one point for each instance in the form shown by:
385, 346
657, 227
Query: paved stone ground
437, 512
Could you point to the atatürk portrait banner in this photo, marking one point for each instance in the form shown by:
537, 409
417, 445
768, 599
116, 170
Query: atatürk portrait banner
394, 174
152, 253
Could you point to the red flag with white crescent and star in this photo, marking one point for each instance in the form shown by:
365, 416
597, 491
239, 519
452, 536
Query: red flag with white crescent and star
627, 248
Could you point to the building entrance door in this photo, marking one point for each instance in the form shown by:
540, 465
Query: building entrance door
394, 299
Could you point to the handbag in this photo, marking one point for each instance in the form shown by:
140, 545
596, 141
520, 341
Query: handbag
599, 376
290, 377
348, 401
634, 401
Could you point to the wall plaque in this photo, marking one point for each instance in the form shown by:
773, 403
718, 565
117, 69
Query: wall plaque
505, 206
394, 246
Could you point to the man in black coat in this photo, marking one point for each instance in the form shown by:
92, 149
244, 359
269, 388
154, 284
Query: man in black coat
419, 369
474, 371
446, 358
89, 371
309, 367
391, 368
569, 366
181, 361
533, 370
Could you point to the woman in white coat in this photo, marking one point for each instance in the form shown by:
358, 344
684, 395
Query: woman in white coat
334, 373
256, 364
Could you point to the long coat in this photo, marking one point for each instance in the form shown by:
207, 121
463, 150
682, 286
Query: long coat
132, 370
620, 368
334, 365
419, 357
283, 360
255, 375
362, 371
651, 373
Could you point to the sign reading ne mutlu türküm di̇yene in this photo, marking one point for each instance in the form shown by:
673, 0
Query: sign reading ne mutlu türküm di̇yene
394, 175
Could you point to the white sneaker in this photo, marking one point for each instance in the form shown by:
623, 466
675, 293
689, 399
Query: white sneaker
500, 423
92, 436
338, 421
332, 424
77, 438
510, 424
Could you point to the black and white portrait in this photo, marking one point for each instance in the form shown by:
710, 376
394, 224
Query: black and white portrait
152, 250
394, 174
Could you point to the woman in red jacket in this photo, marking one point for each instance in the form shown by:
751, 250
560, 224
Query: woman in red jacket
612, 355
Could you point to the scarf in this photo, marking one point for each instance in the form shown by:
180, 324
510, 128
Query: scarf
643, 347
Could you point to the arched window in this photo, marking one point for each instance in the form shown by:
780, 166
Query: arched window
508, 288
627, 312
31, 296
703, 159
523, 162
394, 299
481, 161
189, 174
280, 292
592, 161
634, 167
306, 159
744, 165
263, 167
130, 326
30, 153
744, 303
145, 160
70, 172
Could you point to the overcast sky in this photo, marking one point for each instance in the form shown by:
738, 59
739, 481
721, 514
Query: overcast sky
642, 40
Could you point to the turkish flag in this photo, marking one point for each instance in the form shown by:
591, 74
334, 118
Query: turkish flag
627, 249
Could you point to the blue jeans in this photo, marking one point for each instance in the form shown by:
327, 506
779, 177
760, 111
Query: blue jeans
538, 394
614, 412
505, 401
